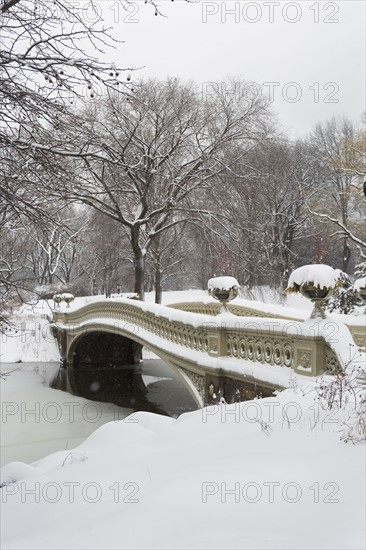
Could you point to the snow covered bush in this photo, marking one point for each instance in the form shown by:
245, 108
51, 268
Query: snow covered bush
346, 392
360, 269
344, 299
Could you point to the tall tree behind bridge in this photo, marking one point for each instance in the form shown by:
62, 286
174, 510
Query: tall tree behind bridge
339, 150
145, 154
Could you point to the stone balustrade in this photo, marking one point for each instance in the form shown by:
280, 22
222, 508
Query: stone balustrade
358, 331
282, 343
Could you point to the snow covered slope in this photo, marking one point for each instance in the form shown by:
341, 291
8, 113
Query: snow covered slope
270, 473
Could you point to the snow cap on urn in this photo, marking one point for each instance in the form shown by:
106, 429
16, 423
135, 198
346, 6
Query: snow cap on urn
316, 282
318, 275
223, 289
222, 283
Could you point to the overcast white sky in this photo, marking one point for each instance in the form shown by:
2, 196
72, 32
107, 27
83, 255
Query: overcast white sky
312, 52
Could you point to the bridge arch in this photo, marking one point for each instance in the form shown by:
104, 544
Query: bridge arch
114, 347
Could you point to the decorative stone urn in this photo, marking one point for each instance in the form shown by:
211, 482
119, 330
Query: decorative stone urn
223, 289
316, 282
317, 296
68, 298
57, 299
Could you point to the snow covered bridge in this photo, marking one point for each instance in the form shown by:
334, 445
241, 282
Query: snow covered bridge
235, 355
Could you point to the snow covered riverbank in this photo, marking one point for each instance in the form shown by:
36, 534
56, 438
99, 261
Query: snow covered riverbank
269, 473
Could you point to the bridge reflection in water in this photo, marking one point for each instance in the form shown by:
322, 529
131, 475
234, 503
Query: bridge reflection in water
149, 386
107, 367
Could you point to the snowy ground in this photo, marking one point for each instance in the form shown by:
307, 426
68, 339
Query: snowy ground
269, 473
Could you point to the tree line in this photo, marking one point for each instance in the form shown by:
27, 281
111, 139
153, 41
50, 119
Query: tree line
151, 184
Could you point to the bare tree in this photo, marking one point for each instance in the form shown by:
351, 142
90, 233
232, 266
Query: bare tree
167, 258
339, 149
44, 68
146, 154
54, 248
260, 224
43, 71
104, 260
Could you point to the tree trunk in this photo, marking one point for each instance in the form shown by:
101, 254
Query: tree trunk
158, 286
140, 276
139, 263
346, 249
346, 255
158, 271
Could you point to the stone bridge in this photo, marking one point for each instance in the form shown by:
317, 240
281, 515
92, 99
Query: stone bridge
233, 356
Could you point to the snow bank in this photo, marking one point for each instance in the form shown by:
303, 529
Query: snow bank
250, 475
29, 338
13, 472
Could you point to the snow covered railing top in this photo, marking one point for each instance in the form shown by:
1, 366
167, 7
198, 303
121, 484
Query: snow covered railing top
241, 307
184, 313
248, 308
305, 347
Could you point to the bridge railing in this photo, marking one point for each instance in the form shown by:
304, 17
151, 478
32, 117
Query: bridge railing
212, 308
262, 340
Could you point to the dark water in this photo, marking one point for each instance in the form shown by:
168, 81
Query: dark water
170, 395
149, 386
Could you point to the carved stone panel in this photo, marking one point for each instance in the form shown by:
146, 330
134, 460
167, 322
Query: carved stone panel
305, 360
197, 380
308, 357
332, 365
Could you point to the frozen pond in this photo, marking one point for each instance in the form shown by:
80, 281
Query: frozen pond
37, 420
